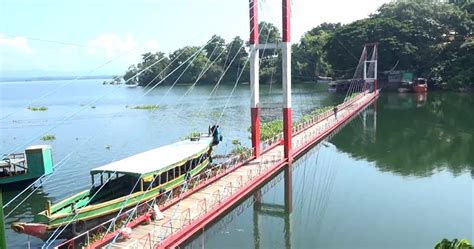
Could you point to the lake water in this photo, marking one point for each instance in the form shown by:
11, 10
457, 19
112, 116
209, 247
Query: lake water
402, 178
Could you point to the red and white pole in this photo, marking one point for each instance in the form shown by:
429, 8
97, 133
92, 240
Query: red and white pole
286, 66
376, 82
254, 78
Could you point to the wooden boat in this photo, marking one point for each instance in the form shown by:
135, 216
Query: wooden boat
420, 86
19, 169
121, 185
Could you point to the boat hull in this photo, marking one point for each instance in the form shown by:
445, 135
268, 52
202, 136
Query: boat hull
420, 88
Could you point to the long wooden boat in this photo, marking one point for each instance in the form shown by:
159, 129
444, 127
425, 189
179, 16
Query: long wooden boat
121, 185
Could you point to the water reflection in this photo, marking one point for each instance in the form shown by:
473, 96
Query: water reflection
24, 211
262, 211
415, 135
271, 210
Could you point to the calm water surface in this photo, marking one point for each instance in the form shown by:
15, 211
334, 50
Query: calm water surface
402, 178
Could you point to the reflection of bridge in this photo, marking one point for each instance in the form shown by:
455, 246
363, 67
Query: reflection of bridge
201, 200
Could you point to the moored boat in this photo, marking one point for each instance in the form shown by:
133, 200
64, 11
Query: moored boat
420, 85
122, 185
19, 169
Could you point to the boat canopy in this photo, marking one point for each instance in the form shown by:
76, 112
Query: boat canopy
158, 159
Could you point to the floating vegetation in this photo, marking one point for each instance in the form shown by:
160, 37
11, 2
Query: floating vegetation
48, 137
107, 147
240, 150
143, 107
193, 136
93, 107
270, 129
38, 108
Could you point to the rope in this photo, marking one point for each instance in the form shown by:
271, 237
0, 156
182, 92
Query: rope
70, 82
100, 97
220, 79
192, 56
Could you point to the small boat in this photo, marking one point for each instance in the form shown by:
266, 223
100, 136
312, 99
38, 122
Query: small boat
131, 85
405, 86
122, 185
19, 169
420, 86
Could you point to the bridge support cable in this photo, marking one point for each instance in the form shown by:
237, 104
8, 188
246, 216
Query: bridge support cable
192, 56
90, 138
221, 115
84, 107
89, 73
134, 210
60, 229
227, 102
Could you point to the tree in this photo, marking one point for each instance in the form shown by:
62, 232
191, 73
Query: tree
236, 57
309, 56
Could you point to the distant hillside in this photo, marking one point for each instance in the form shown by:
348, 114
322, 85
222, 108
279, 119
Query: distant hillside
48, 78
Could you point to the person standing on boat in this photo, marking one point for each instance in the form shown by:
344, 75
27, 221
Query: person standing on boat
217, 137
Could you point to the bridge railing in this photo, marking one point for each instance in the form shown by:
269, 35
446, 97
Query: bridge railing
206, 204
300, 127
98, 234
174, 195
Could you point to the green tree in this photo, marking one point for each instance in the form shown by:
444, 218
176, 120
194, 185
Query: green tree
153, 68
309, 56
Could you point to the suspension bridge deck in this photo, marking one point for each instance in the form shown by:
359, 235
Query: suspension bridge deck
214, 194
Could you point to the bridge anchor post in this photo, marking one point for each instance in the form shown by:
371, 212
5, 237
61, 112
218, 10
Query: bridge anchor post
286, 79
254, 78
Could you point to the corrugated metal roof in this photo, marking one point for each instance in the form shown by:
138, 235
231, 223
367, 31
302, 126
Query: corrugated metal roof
157, 159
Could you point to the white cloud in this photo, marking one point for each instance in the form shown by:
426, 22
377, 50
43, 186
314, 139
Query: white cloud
111, 45
151, 46
18, 43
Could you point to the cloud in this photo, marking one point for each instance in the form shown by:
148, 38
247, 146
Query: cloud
112, 45
17, 43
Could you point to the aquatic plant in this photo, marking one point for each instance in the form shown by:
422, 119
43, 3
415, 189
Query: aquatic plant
48, 137
270, 129
38, 108
239, 149
144, 107
93, 107
192, 135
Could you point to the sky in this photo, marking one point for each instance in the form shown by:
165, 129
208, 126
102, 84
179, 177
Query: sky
105, 37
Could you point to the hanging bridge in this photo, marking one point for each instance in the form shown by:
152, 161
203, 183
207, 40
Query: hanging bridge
173, 217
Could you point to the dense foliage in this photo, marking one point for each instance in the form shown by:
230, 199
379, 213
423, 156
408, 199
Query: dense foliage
431, 38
